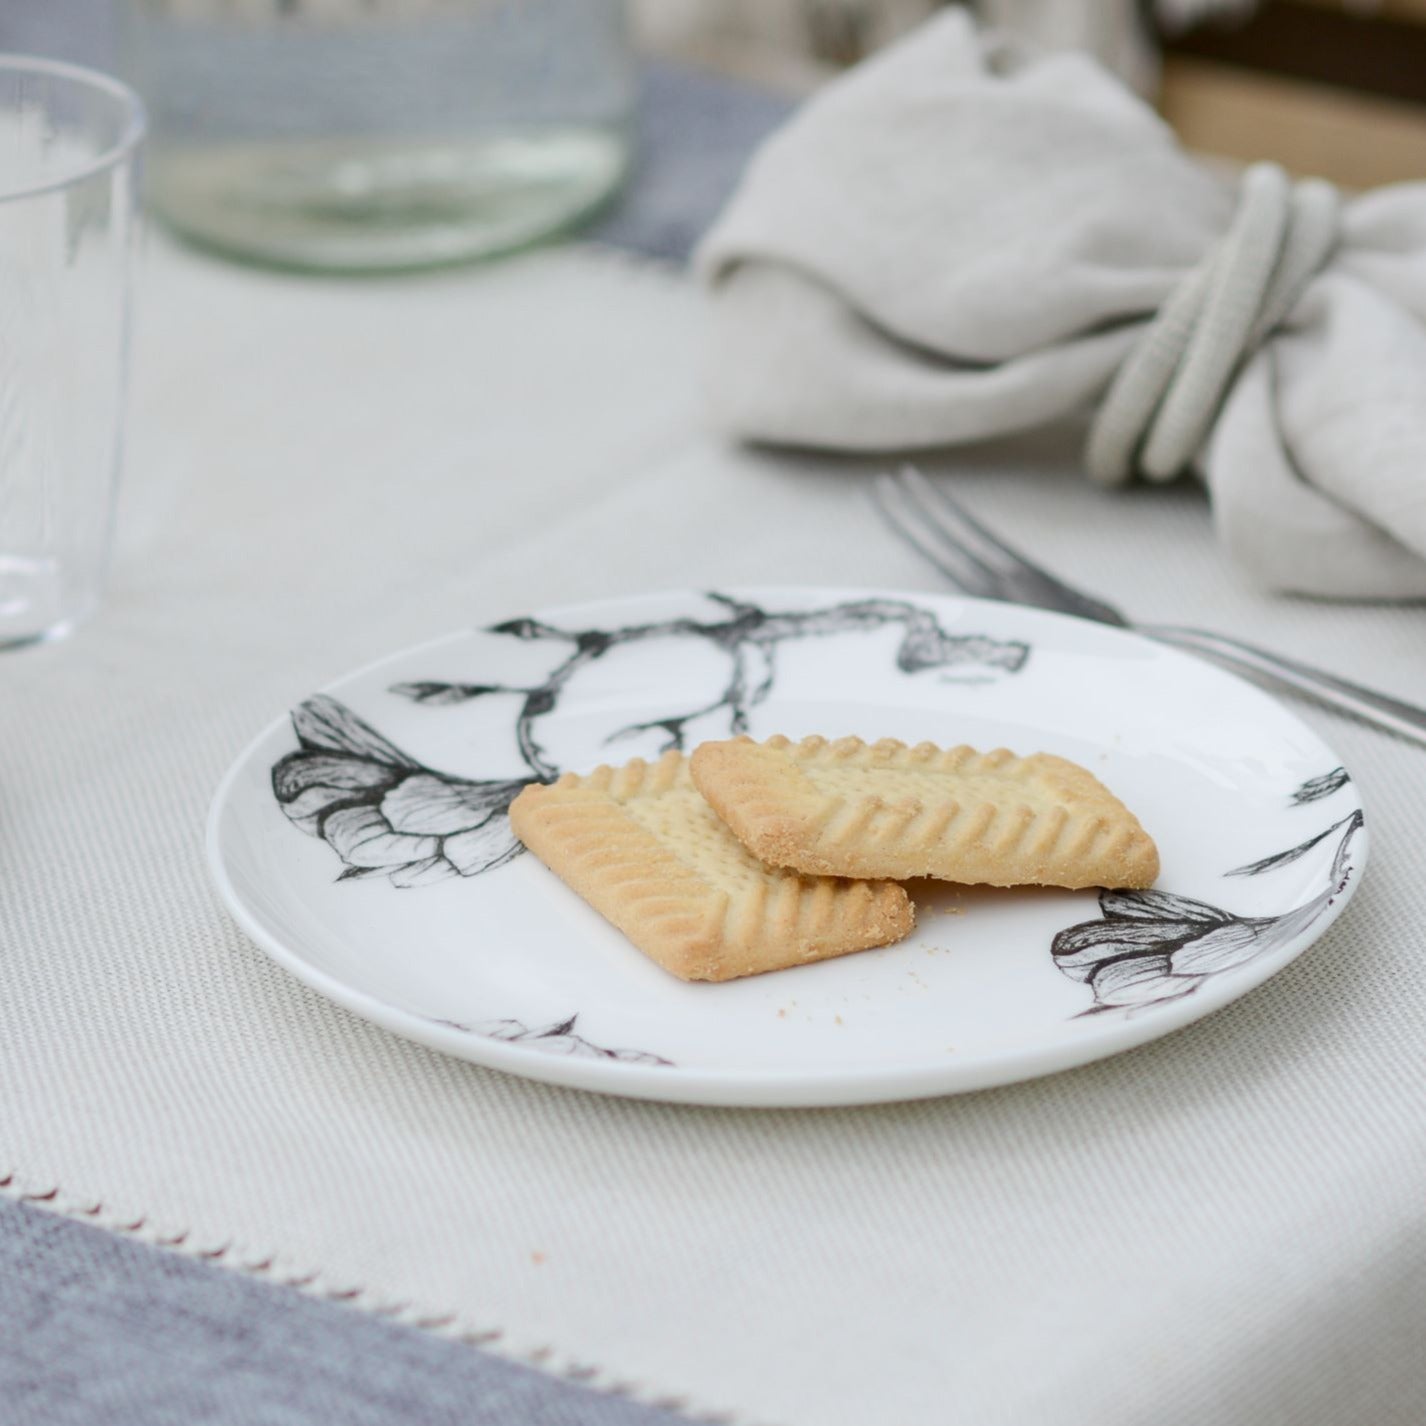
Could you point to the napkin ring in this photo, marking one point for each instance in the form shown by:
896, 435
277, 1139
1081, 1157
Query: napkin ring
1165, 396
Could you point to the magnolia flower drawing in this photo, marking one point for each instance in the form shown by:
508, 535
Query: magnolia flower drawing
1152, 946
381, 811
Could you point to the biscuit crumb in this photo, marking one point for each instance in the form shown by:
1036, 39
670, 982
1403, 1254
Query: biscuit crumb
837, 1018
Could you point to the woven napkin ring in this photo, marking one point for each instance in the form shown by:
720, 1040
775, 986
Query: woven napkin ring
1165, 397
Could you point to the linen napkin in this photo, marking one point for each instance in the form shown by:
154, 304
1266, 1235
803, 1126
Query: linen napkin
960, 239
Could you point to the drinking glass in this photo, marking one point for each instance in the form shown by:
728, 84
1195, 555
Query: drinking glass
370, 134
68, 144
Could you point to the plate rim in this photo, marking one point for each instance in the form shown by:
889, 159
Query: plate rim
771, 1087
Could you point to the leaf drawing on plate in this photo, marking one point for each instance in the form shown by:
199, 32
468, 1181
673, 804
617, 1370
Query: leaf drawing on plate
1280, 859
558, 1039
1316, 788
382, 812
1152, 947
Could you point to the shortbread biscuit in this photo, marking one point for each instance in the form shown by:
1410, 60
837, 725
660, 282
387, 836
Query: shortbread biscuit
849, 808
643, 848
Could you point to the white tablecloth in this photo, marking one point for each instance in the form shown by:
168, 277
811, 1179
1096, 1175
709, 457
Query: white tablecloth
1227, 1226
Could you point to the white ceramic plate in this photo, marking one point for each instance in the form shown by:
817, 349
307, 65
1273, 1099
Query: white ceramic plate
363, 843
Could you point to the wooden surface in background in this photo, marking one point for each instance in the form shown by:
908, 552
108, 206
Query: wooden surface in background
1325, 87
1354, 139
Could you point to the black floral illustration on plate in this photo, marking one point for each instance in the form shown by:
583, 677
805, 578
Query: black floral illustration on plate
1352, 821
558, 1039
1316, 788
1152, 946
386, 814
383, 813
747, 635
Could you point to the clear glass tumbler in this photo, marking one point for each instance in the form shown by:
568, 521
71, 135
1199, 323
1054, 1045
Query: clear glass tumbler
68, 143
369, 134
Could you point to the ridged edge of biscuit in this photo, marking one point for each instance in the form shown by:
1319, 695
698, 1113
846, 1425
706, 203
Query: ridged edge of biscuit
759, 789
579, 829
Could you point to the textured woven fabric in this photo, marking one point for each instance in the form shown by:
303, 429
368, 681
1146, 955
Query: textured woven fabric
99, 1327
1226, 1225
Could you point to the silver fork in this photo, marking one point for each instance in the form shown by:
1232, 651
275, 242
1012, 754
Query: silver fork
981, 563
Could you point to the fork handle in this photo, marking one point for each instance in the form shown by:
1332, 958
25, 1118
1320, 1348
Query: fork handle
1366, 703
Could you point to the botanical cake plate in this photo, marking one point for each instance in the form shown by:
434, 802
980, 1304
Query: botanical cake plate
363, 843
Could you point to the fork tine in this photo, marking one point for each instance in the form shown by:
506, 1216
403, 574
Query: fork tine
920, 495
959, 525
1007, 574
967, 573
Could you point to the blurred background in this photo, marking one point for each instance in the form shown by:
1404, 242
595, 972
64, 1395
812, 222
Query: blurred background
1330, 87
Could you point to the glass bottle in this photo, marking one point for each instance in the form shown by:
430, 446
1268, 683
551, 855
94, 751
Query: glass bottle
367, 134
